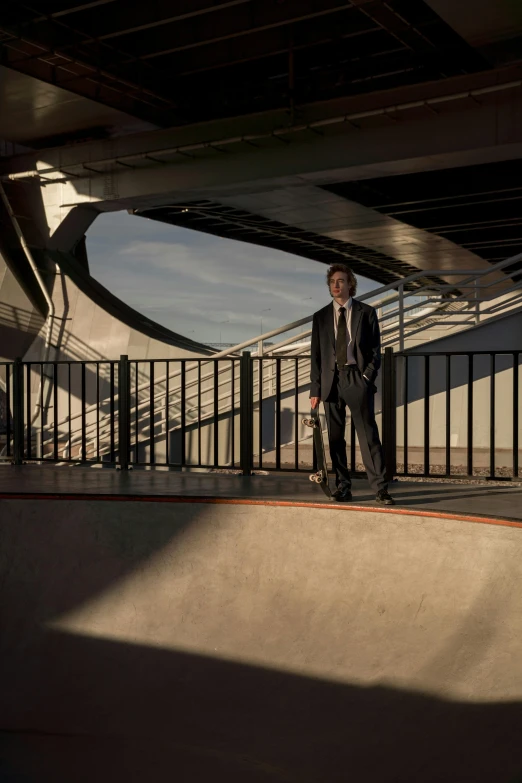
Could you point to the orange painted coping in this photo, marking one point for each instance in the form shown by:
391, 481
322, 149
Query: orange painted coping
397, 510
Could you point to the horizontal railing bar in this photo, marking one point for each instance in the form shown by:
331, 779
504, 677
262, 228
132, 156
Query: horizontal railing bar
175, 426
105, 428
286, 372
409, 352
394, 340
461, 299
396, 313
288, 341
144, 386
472, 273
422, 328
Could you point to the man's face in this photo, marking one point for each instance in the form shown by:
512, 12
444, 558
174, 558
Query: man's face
339, 287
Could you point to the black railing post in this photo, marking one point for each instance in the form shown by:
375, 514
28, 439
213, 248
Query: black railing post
123, 412
246, 425
18, 412
389, 409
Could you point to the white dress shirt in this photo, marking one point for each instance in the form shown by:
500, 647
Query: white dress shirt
350, 356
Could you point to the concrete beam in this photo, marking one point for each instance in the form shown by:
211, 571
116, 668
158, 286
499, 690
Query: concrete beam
467, 132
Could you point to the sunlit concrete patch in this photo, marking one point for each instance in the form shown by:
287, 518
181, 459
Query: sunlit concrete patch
145, 640
427, 604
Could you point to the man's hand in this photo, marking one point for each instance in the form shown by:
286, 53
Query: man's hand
314, 402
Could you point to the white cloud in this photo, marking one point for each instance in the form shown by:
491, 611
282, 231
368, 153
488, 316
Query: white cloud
193, 282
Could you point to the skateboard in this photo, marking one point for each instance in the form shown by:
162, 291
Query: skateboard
321, 477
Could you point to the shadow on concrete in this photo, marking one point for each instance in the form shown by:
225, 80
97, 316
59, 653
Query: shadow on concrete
77, 709
425, 498
83, 709
461, 373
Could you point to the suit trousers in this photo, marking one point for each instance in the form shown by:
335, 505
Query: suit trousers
352, 390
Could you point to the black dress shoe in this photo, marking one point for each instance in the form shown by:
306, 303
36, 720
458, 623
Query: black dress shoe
342, 495
384, 497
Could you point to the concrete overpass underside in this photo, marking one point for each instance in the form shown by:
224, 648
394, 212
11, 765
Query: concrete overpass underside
384, 134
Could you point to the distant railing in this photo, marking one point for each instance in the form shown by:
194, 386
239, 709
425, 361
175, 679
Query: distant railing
463, 303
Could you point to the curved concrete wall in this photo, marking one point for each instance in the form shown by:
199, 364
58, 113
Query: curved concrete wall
23, 306
257, 643
93, 324
20, 318
90, 321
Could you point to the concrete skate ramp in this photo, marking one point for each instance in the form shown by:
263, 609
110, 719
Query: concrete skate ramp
192, 641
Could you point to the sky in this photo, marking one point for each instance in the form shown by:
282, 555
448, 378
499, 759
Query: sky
203, 287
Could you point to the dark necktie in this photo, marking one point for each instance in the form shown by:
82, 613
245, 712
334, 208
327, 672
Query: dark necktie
341, 344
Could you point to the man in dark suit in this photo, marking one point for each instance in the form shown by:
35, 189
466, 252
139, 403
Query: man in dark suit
346, 356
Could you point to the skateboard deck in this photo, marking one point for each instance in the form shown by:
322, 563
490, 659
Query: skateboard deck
321, 476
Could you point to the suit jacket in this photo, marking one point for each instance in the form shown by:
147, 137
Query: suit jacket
366, 338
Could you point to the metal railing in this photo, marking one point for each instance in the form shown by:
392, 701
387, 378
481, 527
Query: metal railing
457, 414
188, 413
180, 390
463, 303
440, 305
6, 408
440, 414
242, 413
103, 412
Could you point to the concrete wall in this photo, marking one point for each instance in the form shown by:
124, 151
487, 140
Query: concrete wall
252, 643
459, 372
20, 317
503, 333
496, 334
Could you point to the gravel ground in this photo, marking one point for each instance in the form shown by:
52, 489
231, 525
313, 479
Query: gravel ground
503, 475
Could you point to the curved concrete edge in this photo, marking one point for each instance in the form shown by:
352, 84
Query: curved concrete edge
91, 324
352, 507
115, 307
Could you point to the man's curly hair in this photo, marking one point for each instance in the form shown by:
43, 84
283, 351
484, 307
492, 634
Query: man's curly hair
343, 269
